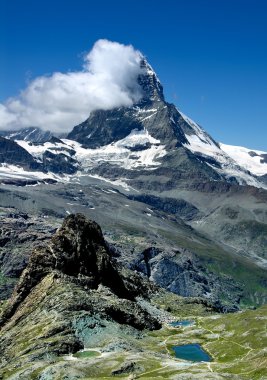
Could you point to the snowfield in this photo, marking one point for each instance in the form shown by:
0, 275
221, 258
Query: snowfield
17, 172
251, 160
122, 152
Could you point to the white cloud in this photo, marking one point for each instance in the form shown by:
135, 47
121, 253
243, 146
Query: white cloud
60, 101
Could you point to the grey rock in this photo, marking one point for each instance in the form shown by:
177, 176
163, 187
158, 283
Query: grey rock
182, 273
31, 134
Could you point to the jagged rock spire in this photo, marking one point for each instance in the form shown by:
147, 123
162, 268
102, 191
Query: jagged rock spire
150, 83
77, 250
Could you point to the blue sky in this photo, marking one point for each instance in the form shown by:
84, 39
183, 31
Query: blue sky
210, 55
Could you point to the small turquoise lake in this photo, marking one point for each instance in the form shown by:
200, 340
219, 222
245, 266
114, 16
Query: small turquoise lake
192, 352
184, 323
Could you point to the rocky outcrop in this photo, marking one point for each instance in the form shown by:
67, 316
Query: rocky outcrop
78, 250
70, 296
59, 163
182, 273
20, 233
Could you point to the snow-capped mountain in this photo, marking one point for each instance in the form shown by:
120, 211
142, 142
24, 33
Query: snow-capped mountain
151, 139
240, 163
175, 134
32, 134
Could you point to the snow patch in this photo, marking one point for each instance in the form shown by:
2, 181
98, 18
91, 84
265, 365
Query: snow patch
149, 116
118, 182
248, 158
197, 144
120, 152
17, 172
139, 110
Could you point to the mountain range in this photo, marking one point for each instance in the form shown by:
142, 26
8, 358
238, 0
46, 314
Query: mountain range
184, 221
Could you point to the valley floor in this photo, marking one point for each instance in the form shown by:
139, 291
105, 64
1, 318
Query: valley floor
236, 343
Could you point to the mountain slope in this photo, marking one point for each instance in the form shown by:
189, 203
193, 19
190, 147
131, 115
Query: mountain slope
185, 261
31, 134
152, 157
13, 153
176, 134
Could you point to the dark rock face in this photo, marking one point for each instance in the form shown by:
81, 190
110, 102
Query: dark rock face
14, 154
151, 86
182, 273
263, 178
104, 127
263, 157
80, 250
127, 368
59, 163
19, 234
27, 182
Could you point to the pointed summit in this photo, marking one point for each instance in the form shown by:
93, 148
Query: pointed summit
151, 113
150, 83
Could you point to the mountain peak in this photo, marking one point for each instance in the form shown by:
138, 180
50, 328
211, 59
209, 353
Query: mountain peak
150, 84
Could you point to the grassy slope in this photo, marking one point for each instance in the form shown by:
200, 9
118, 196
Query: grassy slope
236, 342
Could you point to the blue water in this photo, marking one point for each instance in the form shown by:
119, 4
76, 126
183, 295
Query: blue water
181, 323
192, 352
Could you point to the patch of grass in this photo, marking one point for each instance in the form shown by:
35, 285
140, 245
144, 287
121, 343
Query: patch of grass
181, 307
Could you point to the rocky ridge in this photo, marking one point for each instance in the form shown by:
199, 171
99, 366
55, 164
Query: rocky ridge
78, 251
70, 293
12, 153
